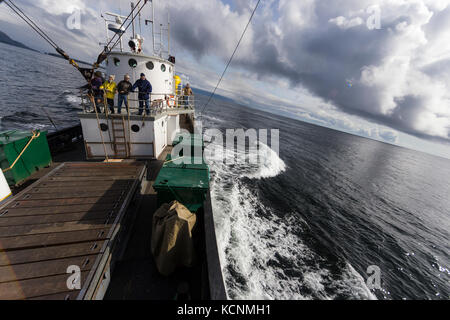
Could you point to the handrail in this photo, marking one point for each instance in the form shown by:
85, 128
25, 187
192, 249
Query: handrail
156, 105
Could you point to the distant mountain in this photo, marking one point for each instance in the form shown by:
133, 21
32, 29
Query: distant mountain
5, 39
216, 96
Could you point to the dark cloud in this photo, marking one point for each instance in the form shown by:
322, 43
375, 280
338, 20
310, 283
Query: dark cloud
320, 54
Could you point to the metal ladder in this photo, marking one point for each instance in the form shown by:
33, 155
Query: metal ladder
120, 143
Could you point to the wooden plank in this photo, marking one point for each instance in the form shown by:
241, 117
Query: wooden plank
63, 188
48, 239
72, 194
18, 212
36, 287
61, 202
88, 174
60, 217
69, 295
12, 231
129, 178
97, 172
51, 252
77, 184
102, 164
40, 269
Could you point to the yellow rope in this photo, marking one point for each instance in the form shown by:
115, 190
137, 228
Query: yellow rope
169, 161
35, 135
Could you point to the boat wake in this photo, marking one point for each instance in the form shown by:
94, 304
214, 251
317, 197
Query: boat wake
262, 255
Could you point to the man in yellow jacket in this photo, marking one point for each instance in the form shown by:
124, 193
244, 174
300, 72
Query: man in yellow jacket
110, 89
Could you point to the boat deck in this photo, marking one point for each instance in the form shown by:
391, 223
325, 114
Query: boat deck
72, 216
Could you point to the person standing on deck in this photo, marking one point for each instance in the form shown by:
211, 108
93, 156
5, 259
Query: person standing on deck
145, 89
187, 92
124, 87
98, 94
110, 88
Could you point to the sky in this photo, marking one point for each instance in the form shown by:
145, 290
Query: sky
376, 68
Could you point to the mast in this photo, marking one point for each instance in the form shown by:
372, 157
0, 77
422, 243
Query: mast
132, 19
153, 26
168, 33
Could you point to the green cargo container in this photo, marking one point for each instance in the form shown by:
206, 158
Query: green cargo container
36, 155
195, 163
187, 183
195, 143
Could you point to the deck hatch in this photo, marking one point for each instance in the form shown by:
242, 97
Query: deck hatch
55, 223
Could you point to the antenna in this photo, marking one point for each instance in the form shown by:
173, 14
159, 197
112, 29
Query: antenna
168, 32
132, 19
114, 26
153, 26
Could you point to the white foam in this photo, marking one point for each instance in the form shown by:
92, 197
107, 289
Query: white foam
74, 99
269, 163
255, 245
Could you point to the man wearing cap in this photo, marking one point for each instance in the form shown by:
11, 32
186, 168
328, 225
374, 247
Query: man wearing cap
145, 89
187, 92
96, 83
124, 88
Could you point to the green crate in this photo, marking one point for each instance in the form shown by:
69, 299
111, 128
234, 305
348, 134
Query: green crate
195, 143
35, 157
187, 183
194, 136
195, 163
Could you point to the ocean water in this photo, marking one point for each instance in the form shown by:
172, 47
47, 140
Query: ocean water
302, 224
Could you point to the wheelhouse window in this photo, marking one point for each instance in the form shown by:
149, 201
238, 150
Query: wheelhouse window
163, 68
150, 65
116, 62
132, 63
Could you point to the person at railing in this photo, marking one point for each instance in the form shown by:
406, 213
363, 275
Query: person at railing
96, 83
110, 89
124, 88
187, 92
145, 89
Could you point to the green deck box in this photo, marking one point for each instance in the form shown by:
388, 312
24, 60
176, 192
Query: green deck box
35, 157
195, 143
187, 183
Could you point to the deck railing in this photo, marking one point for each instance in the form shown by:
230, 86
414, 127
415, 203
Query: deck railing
158, 103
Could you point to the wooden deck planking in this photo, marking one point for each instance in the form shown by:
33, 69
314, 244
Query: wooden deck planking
30, 211
49, 226
50, 253
60, 217
47, 268
35, 287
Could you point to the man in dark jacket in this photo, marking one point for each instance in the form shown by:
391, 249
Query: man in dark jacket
124, 88
145, 89
96, 83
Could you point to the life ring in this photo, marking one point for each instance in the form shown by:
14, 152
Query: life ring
170, 101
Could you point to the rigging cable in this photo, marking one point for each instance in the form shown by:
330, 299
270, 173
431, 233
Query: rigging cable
30, 22
231, 58
87, 73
